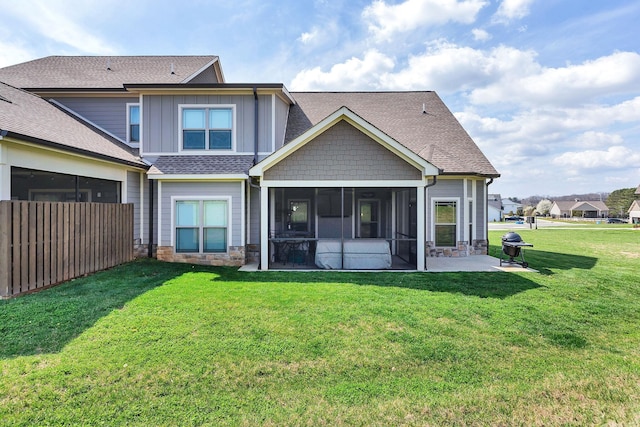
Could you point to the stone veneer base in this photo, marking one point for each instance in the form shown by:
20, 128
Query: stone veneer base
234, 258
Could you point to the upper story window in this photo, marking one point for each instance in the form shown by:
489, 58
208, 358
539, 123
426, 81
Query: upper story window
133, 122
207, 127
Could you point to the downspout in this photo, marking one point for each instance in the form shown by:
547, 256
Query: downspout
435, 180
150, 248
486, 211
255, 125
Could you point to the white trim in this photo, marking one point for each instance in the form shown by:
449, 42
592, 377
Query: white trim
199, 177
228, 199
343, 113
243, 215
273, 122
182, 107
208, 153
433, 218
264, 231
338, 184
100, 128
421, 228
465, 213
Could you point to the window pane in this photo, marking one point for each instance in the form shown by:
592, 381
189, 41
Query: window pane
187, 213
220, 119
446, 235
193, 139
193, 119
220, 139
446, 212
215, 240
215, 213
187, 240
134, 133
134, 115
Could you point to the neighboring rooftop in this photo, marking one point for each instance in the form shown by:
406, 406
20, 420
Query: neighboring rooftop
25, 116
110, 72
418, 120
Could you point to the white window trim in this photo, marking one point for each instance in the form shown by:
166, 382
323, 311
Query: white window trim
227, 199
182, 107
433, 217
129, 105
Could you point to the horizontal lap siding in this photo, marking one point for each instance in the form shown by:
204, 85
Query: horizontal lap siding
343, 153
196, 191
108, 113
44, 243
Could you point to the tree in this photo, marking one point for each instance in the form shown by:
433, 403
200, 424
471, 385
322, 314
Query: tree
619, 201
544, 207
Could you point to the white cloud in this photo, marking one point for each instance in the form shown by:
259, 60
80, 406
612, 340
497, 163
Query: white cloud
593, 139
60, 22
480, 34
510, 10
387, 20
353, 74
308, 37
604, 76
617, 157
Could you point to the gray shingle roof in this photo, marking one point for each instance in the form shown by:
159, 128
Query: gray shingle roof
27, 116
201, 165
435, 135
570, 205
91, 72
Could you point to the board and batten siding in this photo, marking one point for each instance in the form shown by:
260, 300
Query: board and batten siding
342, 153
133, 197
108, 113
480, 220
281, 117
160, 121
196, 190
254, 215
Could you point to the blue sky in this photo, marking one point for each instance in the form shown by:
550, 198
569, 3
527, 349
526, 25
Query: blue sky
549, 89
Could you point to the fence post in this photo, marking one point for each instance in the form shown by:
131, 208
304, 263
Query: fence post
5, 248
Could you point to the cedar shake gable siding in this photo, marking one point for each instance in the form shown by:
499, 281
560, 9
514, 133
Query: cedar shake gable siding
434, 135
342, 153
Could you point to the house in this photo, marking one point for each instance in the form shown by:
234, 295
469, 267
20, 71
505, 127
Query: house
509, 207
494, 206
578, 208
229, 173
634, 209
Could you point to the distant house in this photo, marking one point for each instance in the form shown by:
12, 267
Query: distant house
509, 207
634, 210
579, 209
494, 208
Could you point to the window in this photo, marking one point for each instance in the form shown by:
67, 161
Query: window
201, 225
445, 223
299, 215
207, 128
133, 120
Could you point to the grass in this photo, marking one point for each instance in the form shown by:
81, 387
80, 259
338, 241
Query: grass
151, 343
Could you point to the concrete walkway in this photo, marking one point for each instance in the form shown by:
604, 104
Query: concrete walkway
471, 263
443, 264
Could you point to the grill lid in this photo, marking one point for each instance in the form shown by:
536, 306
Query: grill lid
511, 237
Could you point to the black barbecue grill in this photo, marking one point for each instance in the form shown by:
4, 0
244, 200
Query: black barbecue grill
512, 245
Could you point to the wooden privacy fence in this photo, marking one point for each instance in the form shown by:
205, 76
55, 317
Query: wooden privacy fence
44, 243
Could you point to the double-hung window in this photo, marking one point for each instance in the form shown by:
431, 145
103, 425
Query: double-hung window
201, 225
207, 127
133, 122
445, 223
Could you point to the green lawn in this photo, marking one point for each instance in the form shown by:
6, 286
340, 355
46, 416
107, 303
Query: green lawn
151, 343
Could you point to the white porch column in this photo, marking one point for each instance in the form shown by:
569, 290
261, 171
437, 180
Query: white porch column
421, 236
264, 228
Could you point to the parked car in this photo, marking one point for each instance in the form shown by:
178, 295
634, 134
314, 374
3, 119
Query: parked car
616, 221
513, 218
